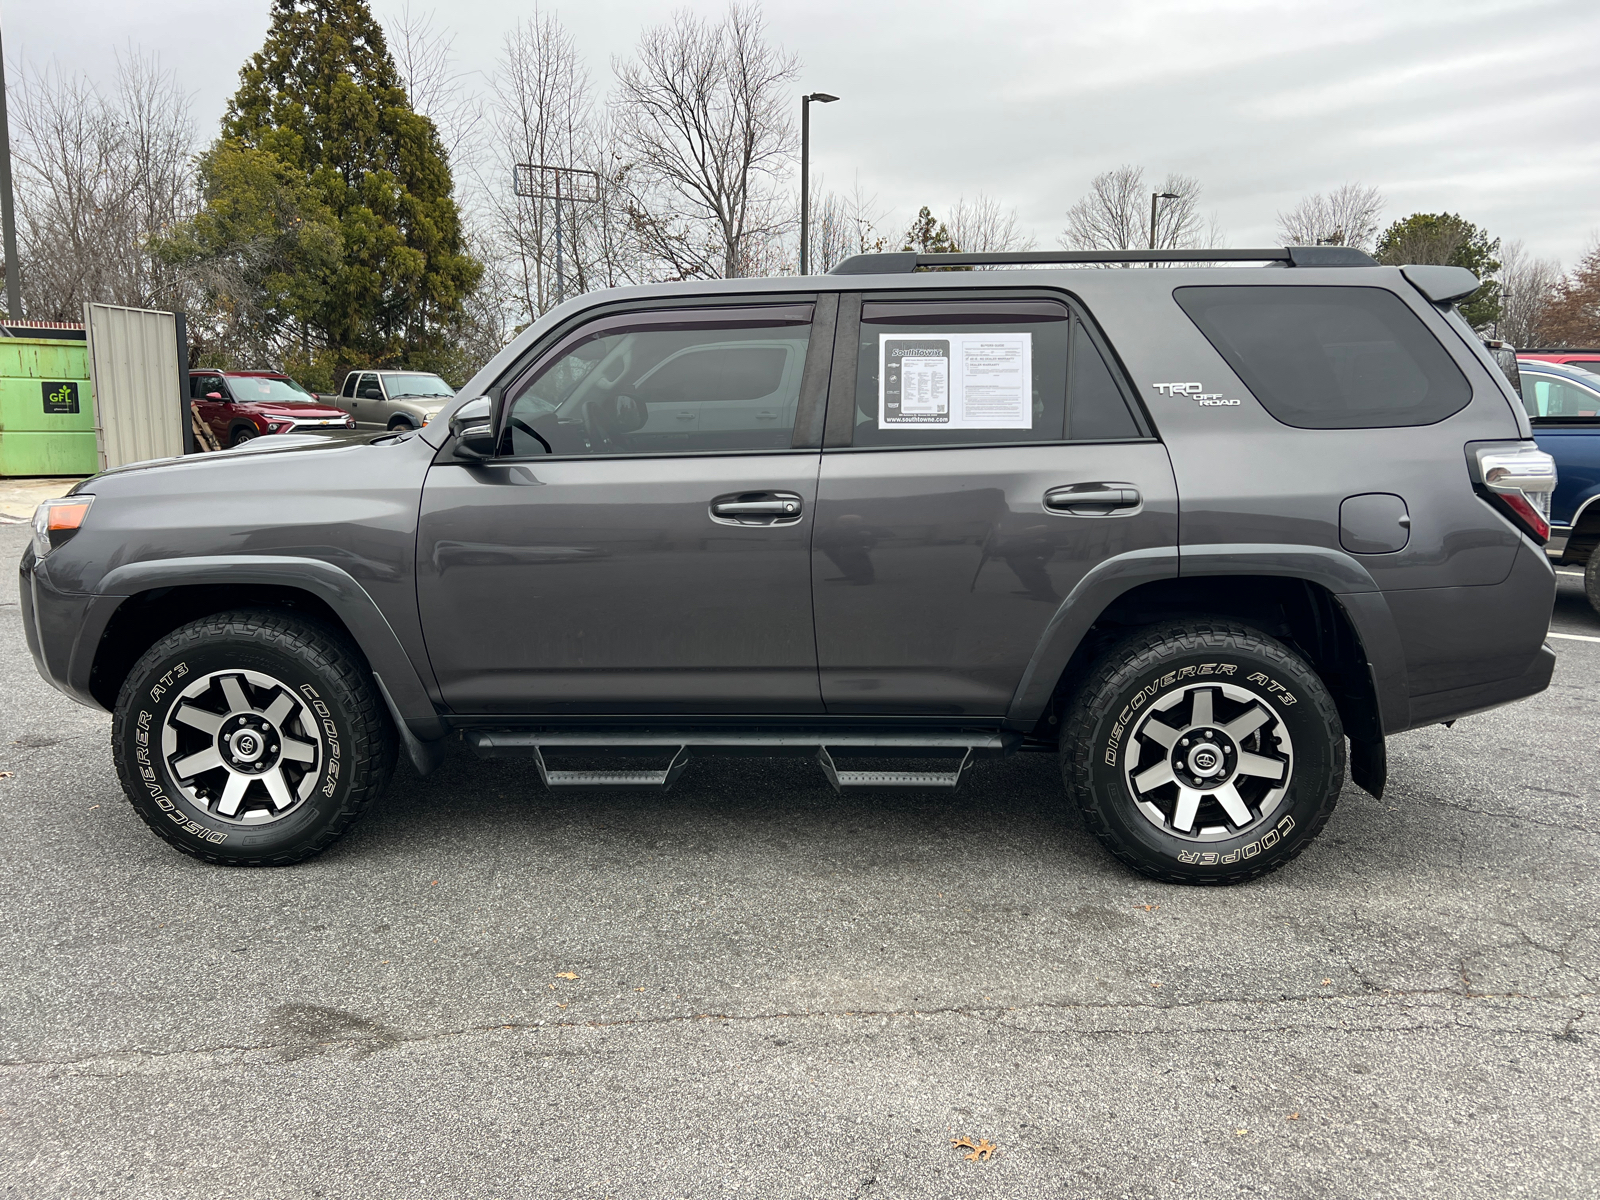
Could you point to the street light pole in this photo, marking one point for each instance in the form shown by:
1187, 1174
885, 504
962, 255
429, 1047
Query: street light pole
805, 173
8, 208
1154, 197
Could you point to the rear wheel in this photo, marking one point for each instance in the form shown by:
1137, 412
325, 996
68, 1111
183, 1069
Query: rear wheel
1203, 752
251, 738
1591, 580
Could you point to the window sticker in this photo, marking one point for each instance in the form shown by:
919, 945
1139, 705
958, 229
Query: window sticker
955, 380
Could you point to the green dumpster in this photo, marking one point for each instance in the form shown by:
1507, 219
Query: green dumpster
46, 408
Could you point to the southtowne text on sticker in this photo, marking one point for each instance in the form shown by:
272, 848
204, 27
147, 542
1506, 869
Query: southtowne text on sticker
955, 380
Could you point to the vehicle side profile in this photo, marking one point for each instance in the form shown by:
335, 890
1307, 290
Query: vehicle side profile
1563, 405
392, 399
1208, 535
240, 405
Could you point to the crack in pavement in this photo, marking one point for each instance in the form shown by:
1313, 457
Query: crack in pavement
378, 1038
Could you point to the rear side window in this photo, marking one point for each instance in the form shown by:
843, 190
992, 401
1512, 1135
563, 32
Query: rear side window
1330, 357
1547, 398
981, 372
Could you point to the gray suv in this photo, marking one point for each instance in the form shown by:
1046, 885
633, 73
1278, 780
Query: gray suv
1206, 534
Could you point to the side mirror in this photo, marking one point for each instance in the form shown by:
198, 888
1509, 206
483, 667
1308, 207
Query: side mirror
472, 428
213, 395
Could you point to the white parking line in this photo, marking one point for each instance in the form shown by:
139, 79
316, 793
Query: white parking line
1572, 637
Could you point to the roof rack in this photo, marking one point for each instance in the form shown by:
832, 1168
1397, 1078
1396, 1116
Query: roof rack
906, 261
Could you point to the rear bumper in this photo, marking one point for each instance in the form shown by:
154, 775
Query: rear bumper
1468, 649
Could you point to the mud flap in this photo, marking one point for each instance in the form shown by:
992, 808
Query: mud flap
1369, 765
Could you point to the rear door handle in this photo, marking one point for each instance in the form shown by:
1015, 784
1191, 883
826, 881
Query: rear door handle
1092, 499
757, 508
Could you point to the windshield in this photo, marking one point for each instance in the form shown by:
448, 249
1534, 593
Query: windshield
257, 389
416, 385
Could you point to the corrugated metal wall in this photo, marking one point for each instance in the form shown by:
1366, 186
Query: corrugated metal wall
133, 360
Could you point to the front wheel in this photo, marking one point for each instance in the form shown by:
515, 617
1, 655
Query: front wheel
1203, 752
251, 738
1591, 580
244, 434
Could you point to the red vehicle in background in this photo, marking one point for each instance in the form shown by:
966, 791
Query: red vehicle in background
1584, 360
239, 405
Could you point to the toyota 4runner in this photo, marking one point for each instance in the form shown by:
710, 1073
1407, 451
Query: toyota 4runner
1195, 530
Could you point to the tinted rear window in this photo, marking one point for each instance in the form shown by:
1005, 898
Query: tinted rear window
1330, 357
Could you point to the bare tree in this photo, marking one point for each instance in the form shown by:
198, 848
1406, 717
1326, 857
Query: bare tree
424, 54
1346, 216
843, 224
96, 178
1528, 286
702, 116
981, 226
1115, 215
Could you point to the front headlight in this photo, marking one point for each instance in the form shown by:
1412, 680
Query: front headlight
55, 521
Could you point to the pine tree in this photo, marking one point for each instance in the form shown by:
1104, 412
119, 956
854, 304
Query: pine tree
1449, 240
323, 97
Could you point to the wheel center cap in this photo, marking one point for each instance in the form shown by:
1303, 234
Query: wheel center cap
247, 745
1205, 761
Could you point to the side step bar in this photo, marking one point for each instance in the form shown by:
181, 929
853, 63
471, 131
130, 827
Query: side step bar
533, 743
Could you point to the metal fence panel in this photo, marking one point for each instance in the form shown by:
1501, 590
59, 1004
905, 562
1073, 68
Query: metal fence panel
133, 361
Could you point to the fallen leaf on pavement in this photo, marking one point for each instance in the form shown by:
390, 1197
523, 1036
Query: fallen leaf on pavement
5, 774
1148, 907
1240, 1132
565, 975
1327, 983
982, 1149
1294, 1116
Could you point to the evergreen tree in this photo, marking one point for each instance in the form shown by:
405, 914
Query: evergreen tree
323, 97
929, 236
1447, 239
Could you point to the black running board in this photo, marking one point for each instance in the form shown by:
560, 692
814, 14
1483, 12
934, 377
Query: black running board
533, 743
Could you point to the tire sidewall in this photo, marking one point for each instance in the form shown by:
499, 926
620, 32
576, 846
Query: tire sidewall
154, 688
1293, 695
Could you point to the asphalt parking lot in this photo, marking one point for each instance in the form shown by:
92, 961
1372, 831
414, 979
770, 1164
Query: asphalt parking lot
753, 987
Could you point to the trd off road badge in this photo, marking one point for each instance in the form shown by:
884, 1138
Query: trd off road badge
1197, 393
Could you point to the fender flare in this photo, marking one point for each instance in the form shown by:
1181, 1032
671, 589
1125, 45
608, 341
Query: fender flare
1350, 583
400, 684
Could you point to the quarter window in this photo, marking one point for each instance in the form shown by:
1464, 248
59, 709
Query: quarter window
1330, 357
666, 382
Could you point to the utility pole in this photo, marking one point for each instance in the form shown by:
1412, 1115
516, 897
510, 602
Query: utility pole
805, 174
541, 181
1155, 197
8, 207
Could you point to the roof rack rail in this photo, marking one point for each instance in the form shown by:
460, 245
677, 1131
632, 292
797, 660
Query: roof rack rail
906, 261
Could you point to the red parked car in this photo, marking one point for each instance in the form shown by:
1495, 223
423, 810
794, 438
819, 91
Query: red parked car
1584, 360
240, 405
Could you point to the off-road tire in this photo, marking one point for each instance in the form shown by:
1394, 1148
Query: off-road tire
1101, 717
353, 734
1591, 580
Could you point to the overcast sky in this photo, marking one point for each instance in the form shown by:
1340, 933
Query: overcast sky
1489, 108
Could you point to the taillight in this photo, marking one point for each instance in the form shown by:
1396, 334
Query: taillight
55, 521
1518, 479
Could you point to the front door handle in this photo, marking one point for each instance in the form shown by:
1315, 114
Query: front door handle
1093, 499
757, 508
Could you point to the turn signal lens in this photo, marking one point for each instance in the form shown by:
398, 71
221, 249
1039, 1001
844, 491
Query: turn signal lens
55, 521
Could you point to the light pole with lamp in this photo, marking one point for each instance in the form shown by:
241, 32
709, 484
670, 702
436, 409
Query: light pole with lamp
805, 172
1154, 198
